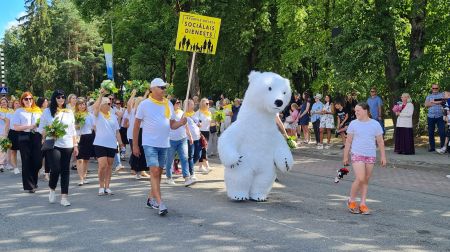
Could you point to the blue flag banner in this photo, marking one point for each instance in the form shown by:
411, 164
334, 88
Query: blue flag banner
109, 61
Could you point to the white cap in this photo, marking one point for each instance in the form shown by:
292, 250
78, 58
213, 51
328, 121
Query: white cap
157, 82
319, 96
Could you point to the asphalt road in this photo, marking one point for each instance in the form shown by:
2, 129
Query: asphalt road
305, 212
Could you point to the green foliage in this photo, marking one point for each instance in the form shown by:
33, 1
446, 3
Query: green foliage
56, 130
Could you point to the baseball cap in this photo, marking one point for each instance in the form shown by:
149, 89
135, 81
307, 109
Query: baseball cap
319, 96
157, 82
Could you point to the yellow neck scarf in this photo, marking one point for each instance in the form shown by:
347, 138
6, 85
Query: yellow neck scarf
63, 110
178, 111
107, 116
35, 110
205, 112
82, 114
189, 114
227, 107
164, 103
3, 110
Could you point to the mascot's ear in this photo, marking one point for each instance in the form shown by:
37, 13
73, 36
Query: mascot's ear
253, 76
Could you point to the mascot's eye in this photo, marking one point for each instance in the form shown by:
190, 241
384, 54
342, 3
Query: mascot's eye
270, 88
284, 92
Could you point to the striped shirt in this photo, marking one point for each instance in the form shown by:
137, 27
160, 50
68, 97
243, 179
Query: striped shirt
435, 111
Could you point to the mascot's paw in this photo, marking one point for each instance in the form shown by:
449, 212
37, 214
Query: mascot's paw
236, 164
238, 196
258, 197
284, 164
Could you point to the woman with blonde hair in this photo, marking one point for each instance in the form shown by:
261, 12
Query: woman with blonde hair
404, 136
228, 113
13, 137
85, 145
71, 102
4, 127
203, 116
29, 140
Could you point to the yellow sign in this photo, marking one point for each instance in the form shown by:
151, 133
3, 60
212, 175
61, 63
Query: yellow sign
197, 33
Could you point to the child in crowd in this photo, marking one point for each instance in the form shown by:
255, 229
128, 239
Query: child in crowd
361, 136
343, 121
291, 121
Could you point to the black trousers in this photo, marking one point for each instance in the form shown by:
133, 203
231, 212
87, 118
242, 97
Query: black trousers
31, 155
59, 162
316, 127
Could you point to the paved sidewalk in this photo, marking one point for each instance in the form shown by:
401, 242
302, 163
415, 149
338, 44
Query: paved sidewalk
421, 160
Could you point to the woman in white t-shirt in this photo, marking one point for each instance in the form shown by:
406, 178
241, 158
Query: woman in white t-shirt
105, 143
86, 143
204, 118
194, 147
29, 140
4, 126
58, 158
138, 164
13, 137
361, 137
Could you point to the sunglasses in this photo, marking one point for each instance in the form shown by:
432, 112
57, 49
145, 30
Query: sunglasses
178, 102
60, 97
118, 103
435, 88
28, 99
162, 88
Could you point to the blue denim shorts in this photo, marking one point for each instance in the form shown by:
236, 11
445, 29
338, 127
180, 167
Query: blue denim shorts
155, 156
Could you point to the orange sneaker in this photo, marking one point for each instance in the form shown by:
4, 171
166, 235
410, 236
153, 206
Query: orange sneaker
363, 209
352, 207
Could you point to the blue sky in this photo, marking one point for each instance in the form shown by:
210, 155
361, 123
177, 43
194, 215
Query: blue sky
9, 11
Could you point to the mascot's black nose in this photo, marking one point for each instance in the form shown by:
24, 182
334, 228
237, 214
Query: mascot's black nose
279, 103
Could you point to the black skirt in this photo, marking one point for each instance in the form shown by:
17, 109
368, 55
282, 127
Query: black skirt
404, 141
138, 164
13, 137
86, 147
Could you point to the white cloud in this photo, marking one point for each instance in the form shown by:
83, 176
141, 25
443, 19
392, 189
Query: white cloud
14, 22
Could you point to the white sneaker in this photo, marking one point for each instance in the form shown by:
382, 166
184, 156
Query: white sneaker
101, 191
138, 177
203, 170
327, 146
16, 171
441, 150
65, 202
193, 178
108, 191
170, 181
188, 181
81, 183
85, 181
9, 167
448, 176
320, 146
118, 168
52, 196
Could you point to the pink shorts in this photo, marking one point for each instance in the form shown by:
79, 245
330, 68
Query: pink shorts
363, 159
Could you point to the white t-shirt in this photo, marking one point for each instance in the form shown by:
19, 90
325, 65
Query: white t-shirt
3, 116
155, 125
105, 134
205, 121
364, 137
124, 116
193, 128
23, 118
88, 125
10, 117
66, 118
131, 116
179, 133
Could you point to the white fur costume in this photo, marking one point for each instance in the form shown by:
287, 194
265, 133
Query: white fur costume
252, 147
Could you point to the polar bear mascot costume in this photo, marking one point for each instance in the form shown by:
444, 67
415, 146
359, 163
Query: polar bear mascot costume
252, 147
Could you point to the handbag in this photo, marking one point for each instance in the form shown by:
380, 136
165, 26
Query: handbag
203, 141
213, 129
48, 144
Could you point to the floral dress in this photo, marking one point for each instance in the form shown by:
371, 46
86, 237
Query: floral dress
327, 120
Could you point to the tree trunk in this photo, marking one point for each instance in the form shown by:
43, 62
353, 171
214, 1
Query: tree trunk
163, 67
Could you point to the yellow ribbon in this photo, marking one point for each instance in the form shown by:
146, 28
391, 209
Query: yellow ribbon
107, 115
35, 110
164, 103
206, 112
189, 114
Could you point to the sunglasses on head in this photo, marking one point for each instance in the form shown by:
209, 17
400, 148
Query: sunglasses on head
162, 87
28, 98
60, 97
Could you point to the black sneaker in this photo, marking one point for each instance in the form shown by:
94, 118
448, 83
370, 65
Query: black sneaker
431, 150
162, 210
151, 203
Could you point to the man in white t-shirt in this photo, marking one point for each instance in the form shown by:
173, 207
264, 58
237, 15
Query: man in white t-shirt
157, 117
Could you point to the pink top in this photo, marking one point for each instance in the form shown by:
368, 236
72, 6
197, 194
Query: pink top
293, 116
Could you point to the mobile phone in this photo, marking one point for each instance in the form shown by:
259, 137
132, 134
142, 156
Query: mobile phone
438, 99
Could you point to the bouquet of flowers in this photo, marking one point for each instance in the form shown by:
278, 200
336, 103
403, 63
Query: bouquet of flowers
80, 119
109, 86
397, 107
56, 130
292, 142
219, 116
5, 144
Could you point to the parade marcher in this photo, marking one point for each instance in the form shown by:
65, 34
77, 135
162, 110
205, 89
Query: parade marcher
194, 148
157, 118
435, 115
13, 137
326, 122
404, 136
228, 113
71, 101
122, 115
4, 127
316, 112
30, 141
213, 129
59, 157
86, 143
362, 134
42, 103
105, 142
179, 144
303, 118
204, 118
138, 164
